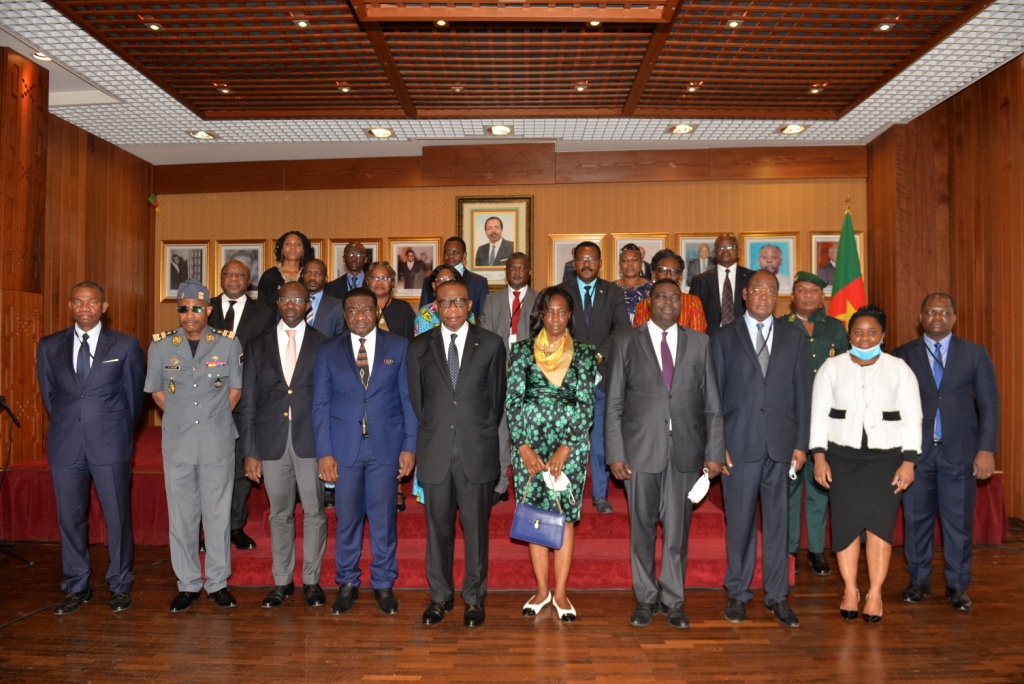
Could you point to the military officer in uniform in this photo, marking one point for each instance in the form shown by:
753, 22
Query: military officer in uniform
195, 376
826, 337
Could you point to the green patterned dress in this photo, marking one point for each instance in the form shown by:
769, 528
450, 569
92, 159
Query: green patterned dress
545, 417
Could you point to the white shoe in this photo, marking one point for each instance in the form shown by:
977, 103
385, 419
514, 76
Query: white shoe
531, 609
566, 615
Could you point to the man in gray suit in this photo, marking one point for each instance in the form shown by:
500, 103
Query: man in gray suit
703, 263
326, 313
507, 314
661, 429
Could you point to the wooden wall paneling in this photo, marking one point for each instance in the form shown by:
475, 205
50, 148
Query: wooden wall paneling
523, 164
631, 165
736, 163
342, 174
21, 326
229, 177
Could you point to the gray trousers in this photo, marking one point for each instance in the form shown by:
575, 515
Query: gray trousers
504, 454
200, 493
652, 497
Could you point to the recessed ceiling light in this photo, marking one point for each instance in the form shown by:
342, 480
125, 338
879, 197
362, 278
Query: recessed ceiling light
499, 130
580, 87
225, 91
792, 129
885, 27
301, 23
681, 129
42, 57
381, 132
203, 135
456, 89
734, 23
595, 24
692, 88
441, 22
344, 89
817, 88
153, 26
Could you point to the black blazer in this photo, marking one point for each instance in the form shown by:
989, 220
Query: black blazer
610, 315
339, 286
256, 319
463, 421
400, 317
478, 290
968, 397
761, 412
705, 286
266, 398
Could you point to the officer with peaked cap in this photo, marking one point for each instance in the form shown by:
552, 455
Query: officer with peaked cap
195, 376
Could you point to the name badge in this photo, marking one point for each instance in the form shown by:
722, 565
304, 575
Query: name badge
173, 367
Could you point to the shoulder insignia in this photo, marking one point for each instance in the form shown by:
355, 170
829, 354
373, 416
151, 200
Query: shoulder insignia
832, 351
159, 336
176, 340
230, 334
792, 318
210, 338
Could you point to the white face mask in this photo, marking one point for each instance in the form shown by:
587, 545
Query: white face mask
558, 485
700, 488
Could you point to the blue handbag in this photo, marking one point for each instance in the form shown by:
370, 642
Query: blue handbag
536, 525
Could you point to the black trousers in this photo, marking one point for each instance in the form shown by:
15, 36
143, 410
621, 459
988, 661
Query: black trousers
242, 487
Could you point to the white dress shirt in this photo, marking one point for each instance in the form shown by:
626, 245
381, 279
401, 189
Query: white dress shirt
736, 295
513, 335
282, 339
94, 338
672, 339
239, 306
767, 329
371, 346
460, 339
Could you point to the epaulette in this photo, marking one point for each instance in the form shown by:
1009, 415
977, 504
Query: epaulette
792, 317
159, 336
230, 334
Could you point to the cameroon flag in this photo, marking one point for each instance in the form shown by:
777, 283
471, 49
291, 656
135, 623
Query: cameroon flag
848, 292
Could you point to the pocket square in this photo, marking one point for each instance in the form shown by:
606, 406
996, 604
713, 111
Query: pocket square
111, 360
388, 362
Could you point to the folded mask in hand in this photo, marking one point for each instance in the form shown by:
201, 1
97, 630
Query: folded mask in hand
700, 488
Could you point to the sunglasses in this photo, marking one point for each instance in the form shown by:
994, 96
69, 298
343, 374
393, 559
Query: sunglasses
193, 309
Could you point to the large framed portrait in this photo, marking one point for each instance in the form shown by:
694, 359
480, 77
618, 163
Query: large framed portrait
179, 261
562, 268
698, 251
776, 253
413, 259
372, 247
494, 228
824, 247
649, 244
252, 253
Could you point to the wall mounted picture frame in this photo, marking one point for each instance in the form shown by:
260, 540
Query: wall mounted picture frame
561, 268
649, 244
337, 254
494, 228
689, 248
252, 253
179, 261
776, 252
413, 258
823, 257
318, 250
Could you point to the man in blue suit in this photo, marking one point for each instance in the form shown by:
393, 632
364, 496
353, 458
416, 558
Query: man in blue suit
325, 312
960, 401
365, 431
454, 256
91, 378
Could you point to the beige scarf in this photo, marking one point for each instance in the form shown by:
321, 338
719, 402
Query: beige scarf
553, 359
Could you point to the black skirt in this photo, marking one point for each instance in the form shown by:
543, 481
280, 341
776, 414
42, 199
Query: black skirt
861, 494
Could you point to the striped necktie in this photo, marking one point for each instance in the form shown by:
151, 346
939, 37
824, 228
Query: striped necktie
363, 363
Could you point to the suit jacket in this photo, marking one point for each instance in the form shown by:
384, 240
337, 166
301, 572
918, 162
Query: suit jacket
478, 289
400, 318
706, 287
339, 286
569, 270
828, 274
497, 315
610, 315
646, 272
340, 401
330, 316
693, 268
101, 416
968, 397
639, 407
460, 423
483, 253
267, 398
763, 412
256, 319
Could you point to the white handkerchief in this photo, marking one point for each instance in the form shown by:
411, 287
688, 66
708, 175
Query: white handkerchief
559, 485
111, 360
700, 488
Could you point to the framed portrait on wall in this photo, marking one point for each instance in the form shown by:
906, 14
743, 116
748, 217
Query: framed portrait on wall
413, 259
561, 255
776, 253
318, 249
179, 261
649, 244
824, 247
337, 267
698, 251
252, 253
494, 228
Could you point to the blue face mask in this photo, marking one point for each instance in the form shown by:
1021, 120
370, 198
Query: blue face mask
866, 354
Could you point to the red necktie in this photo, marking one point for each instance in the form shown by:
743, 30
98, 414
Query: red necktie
517, 307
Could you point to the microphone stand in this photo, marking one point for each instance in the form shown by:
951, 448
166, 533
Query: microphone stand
6, 546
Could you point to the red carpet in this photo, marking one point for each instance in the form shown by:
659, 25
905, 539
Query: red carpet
601, 559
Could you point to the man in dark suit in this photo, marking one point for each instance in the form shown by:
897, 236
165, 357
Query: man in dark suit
326, 313
454, 256
91, 379
247, 318
662, 429
276, 431
457, 386
960, 401
702, 264
507, 314
719, 289
355, 272
764, 376
497, 250
602, 313
365, 431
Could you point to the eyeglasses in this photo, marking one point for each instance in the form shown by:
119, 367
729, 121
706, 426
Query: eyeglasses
453, 252
763, 291
461, 302
380, 279
664, 270
297, 301
726, 248
193, 309
587, 260
674, 298
354, 254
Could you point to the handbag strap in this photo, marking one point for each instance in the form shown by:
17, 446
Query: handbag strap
526, 490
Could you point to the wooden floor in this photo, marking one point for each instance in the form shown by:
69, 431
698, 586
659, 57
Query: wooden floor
925, 643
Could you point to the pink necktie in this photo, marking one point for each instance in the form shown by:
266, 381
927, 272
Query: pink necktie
289, 356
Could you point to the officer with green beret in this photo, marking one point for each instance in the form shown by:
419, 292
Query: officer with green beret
826, 337
195, 376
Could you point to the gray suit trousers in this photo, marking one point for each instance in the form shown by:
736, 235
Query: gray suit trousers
194, 493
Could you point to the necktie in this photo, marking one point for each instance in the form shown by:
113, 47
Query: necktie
517, 308
290, 355
309, 314
453, 362
937, 370
494, 254
363, 363
588, 303
352, 282
762, 350
83, 360
229, 320
668, 371
728, 305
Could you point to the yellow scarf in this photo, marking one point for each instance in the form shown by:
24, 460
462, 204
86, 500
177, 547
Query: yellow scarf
553, 360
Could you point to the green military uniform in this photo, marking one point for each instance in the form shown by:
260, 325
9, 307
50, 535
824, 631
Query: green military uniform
198, 447
829, 339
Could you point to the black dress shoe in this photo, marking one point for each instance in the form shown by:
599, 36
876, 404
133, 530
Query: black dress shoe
474, 616
819, 564
241, 540
314, 595
436, 610
120, 601
183, 601
329, 498
278, 594
735, 611
386, 601
223, 598
73, 602
498, 497
959, 600
678, 618
347, 594
603, 505
915, 593
784, 614
401, 500
643, 614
